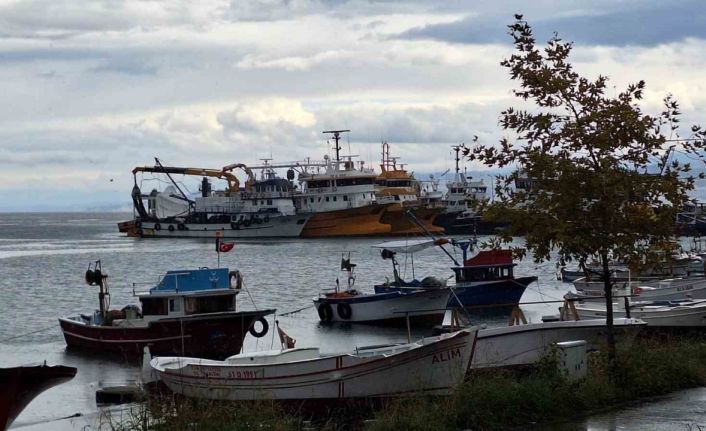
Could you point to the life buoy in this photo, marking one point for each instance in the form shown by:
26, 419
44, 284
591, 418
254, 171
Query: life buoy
344, 311
266, 219
261, 332
157, 226
171, 228
238, 279
246, 222
325, 312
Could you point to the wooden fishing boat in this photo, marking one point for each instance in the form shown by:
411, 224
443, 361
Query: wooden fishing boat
190, 312
484, 282
20, 385
669, 314
433, 366
420, 307
526, 344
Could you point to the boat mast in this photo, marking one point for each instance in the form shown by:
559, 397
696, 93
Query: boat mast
337, 136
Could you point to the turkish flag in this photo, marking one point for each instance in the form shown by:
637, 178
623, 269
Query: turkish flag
224, 247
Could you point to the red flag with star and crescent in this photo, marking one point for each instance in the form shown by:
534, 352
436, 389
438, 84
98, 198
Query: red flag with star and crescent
223, 247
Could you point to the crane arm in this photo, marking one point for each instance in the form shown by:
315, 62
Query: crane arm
233, 182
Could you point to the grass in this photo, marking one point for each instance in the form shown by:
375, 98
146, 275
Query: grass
488, 400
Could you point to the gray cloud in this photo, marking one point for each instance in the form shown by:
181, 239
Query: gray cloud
643, 24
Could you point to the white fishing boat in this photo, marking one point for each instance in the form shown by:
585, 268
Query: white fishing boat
674, 314
424, 306
526, 344
433, 365
649, 290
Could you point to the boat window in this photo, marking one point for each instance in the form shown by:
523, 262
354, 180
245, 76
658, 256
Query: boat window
269, 201
154, 306
345, 198
312, 200
210, 304
174, 305
334, 198
326, 198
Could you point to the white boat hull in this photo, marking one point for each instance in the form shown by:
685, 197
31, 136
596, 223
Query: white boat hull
662, 290
421, 305
683, 316
433, 365
276, 227
526, 344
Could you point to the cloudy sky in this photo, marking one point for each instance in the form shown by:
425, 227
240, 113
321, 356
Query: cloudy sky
90, 89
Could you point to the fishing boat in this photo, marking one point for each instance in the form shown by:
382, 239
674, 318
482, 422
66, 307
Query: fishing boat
668, 314
485, 281
647, 290
20, 385
397, 187
189, 312
434, 366
420, 307
526, 344
262, 208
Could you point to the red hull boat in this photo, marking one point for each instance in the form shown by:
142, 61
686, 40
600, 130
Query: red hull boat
188, 313
20, 385
216, 335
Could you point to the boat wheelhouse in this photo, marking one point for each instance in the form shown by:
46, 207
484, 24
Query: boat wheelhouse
188, 312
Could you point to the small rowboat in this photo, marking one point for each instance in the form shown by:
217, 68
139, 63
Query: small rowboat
433, 365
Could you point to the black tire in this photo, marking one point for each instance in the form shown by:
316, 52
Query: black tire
266, 219
171, 228
234, 225
261, 333
157, 226
325, 312
246, 222
181, 226
344, 311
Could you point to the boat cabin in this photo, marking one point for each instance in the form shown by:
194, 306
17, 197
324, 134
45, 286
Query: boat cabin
187, 292
486, 265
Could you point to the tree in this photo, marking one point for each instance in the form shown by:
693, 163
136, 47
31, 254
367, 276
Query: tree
603, 180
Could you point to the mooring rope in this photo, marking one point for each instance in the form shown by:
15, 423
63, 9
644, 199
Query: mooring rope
295, 311
26, 333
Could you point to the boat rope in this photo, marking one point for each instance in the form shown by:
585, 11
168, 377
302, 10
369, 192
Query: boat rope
295, 311
27, 333
248, 292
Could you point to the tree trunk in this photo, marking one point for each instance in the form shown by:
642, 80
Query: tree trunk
608, 291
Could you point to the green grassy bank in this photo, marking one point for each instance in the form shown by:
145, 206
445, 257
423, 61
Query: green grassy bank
488, 400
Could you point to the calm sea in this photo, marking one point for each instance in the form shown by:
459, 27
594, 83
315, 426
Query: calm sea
43, 257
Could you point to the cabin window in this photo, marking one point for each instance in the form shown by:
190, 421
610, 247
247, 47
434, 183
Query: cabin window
334, 198
174, 305
269, 201
319, 199
154, 306
210, 304
262, 202
345, 198
327, 199
312, 200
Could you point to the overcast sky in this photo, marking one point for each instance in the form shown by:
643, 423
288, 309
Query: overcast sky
90, 89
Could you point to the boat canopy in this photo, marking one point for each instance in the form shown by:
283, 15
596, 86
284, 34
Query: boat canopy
191, 280
409, 246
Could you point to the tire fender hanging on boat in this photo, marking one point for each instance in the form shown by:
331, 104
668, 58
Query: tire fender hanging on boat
171, 228
325, 312
261, 333
344, 311
157, 226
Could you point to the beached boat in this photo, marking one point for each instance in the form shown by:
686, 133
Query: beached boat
647, 290
526, 344
670, 314
20, 385
485, 281
416, 307
189, 312
433, 366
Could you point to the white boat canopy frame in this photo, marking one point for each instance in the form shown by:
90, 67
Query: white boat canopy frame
407, 246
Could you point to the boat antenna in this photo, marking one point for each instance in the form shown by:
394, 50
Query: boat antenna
337, 137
